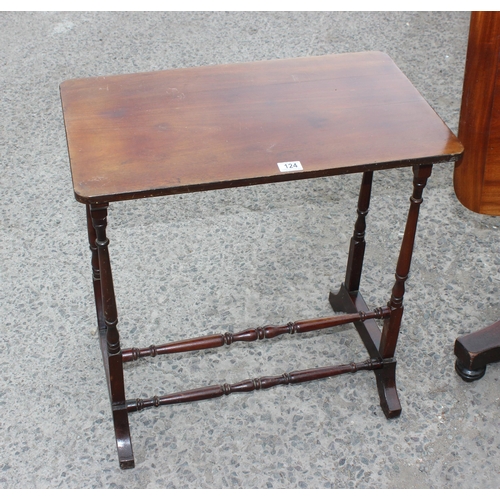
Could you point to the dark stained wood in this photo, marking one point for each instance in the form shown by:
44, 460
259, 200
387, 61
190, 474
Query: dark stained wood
390, 331
99, 221
358, 244
387, 390
96, 275
382, 345
264, 332
182, 130
217, 391
370, 334
110, 339
476, 350
175, 131
345, 300
477, 174
368, 330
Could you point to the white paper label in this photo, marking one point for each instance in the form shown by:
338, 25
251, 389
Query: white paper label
290, 166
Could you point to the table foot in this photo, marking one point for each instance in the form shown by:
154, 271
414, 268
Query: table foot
388, 394
370, 335
123, 440
476, 350
469, 375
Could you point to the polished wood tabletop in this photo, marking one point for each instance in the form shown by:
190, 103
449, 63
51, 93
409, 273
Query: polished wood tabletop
194, 129
201, 128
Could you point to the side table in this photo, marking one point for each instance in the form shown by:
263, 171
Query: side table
196, 129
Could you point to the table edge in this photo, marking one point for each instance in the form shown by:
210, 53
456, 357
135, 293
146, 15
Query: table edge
286, 177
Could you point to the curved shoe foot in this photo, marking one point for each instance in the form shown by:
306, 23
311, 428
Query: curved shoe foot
387, 391
123, 440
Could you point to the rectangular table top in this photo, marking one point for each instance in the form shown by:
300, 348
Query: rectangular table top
201, 128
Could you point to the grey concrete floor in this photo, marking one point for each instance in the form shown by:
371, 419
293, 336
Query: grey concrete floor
211, 262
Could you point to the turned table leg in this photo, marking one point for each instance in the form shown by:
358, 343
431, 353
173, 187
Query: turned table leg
381, 345
358, 243
107, 318
348, 299
386, 378
96, 275
390, 331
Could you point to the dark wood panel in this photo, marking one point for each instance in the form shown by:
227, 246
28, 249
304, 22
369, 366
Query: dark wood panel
222, 126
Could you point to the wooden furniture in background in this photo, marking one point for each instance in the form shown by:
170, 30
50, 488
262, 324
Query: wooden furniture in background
477, 173
195, 129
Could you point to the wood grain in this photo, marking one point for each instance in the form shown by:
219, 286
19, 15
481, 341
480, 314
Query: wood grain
182, 130
477, 174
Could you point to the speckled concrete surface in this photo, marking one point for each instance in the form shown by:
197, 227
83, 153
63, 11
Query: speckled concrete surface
210, 262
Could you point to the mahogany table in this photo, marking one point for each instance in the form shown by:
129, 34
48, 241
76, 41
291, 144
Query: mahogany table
196, 129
